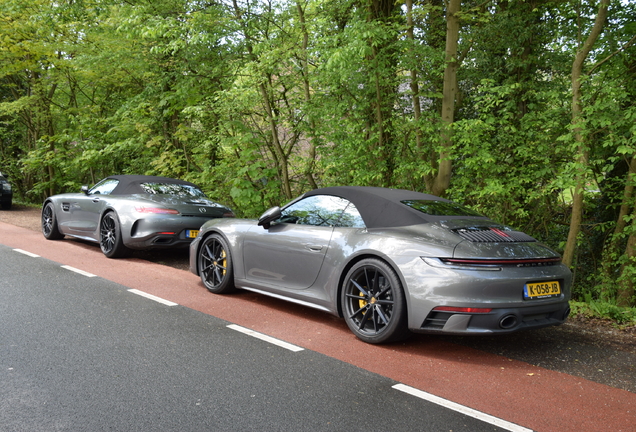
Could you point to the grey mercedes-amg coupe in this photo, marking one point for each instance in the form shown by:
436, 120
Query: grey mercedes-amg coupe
125, 212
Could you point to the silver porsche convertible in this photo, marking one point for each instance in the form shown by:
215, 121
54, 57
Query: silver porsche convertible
125, 212
388, 261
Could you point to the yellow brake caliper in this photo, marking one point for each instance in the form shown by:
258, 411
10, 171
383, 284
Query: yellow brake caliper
363, 303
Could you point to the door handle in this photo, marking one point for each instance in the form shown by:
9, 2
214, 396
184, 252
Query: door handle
314, 247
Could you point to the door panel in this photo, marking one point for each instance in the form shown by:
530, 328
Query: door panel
286, 255
81, 215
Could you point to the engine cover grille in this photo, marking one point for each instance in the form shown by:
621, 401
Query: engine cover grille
492, 235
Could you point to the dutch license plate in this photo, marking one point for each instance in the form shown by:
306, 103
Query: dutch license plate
192, 233
539, 290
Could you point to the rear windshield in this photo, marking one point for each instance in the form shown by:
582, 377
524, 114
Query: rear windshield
182, 190
440, 208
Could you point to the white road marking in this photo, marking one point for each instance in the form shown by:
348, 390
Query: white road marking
82, 272
152, 297
266, 338
461, 409
27, 253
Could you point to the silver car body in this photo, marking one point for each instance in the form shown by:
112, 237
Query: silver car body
437, 267
143, 225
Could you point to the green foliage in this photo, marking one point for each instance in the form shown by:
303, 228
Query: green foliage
258, 101
591, 308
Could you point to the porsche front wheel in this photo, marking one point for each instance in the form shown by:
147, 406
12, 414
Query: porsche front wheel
373, 302
215, 265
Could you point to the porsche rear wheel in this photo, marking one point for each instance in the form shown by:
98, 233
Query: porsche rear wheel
49, 223
110, 239
373, 302
215, 265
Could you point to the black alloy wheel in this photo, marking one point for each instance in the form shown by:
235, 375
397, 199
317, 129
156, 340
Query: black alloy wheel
373, 302
215, 265
49, 223
110, 239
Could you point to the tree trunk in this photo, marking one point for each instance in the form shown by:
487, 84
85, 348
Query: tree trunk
583, 153
311, 163
415, 89
383, 102
280, 157
625, 295
442, 181
611, 252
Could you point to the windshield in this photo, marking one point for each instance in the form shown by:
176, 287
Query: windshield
440, 208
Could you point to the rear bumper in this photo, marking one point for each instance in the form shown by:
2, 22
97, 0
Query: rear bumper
499, 292
160, 241
162, 232
498, 321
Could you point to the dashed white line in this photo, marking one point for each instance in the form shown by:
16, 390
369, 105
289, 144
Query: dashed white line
487, 418
26, 253
265, 338
82, 272
152, 297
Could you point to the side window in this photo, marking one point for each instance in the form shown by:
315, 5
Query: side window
104, 187
351, 218
318, 210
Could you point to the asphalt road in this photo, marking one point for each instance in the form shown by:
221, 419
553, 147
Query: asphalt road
83, 353
515, 391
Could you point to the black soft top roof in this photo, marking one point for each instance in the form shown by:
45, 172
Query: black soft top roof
131, 184
382, 207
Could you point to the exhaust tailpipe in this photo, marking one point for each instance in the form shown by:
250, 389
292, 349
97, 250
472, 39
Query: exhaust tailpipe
508, 322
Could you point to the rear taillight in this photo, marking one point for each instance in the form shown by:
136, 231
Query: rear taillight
488, 264
529, 262
156, 210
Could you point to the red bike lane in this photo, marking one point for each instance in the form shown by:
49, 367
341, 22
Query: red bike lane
512, 390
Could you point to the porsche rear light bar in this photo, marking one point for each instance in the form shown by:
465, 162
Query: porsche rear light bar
488, 264
526, 262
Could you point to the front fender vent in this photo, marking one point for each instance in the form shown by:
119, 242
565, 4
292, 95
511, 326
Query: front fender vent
492, 235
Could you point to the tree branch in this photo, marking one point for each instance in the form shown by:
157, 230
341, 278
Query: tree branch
624, 47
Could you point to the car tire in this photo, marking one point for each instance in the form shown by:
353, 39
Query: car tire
48, 219
215, 265
6, 205
373, 302
110, 240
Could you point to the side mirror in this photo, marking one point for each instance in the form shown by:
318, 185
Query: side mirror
268, 217
85, 189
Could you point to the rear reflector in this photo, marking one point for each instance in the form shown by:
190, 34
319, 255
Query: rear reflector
461, 309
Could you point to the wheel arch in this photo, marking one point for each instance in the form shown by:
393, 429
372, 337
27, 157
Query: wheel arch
356, 260
105, 211
51, 201
205, 235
